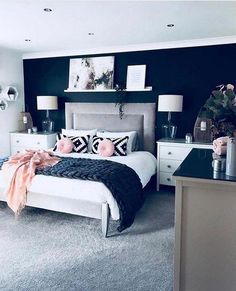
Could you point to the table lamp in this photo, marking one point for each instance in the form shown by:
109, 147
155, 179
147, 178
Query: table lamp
47, 103
170, 103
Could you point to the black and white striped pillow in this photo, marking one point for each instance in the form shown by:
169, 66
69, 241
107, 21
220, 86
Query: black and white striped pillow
80, 142
120, 145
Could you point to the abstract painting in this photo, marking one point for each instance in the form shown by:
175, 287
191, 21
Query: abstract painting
91, 73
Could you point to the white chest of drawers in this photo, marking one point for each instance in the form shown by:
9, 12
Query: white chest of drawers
21, 141
170, 154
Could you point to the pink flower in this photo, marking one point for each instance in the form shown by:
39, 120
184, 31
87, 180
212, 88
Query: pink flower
230, 87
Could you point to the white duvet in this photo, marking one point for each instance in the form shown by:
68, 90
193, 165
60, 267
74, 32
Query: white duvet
143, 163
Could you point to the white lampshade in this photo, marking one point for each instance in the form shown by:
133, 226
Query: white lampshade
47, 103
170, 103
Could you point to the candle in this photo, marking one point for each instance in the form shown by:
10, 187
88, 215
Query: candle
24, 119
203, 126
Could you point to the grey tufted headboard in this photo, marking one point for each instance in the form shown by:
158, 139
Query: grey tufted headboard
138, 116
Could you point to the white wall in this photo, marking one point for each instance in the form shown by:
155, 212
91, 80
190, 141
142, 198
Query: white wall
11, 73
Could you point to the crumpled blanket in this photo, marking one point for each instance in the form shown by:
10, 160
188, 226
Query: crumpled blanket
19, 171
122, 181
220, 145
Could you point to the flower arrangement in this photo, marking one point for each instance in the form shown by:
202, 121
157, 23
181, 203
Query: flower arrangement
220, 107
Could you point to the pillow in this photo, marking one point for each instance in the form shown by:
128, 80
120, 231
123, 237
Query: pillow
106, 148
81, 132
120, 145
80, 142
132, 142
65, 145
95, 144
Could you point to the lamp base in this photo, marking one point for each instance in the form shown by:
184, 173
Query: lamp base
47, 125
169, 131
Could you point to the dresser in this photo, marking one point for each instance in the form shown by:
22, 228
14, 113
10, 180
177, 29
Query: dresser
170, 154
21, 141
205, 228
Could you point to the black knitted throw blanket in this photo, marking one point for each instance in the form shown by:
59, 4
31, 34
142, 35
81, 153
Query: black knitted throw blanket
120, 179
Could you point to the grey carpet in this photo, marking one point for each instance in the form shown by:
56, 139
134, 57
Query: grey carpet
46, 250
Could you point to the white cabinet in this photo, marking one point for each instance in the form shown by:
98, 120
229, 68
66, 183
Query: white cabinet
170, 154
21, 141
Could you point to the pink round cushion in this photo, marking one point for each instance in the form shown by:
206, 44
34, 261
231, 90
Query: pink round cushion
106, 148
65, 145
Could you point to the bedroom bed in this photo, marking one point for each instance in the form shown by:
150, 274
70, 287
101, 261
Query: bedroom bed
92, 198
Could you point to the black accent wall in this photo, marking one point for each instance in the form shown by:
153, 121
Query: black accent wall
192, 72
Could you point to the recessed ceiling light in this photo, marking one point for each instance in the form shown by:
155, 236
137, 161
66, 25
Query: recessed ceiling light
91, 33
170, 25
47, 9
27, 39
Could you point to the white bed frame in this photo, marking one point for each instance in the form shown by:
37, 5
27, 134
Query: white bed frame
138, 116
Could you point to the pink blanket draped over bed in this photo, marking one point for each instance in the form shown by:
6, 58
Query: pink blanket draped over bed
19, 171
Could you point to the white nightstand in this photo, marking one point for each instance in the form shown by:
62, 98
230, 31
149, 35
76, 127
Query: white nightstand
170, 154
21, 141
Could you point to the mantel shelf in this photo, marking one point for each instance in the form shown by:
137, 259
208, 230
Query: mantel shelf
107, 90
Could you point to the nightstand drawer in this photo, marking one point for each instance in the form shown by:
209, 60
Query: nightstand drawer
17, 150
24, 141
166, 179
174, 152
167, 165
28, 141
170, 154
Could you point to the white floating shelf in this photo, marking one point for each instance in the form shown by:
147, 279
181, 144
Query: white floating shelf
108, 90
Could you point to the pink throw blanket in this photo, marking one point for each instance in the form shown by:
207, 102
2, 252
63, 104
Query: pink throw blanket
220, 145
19, 170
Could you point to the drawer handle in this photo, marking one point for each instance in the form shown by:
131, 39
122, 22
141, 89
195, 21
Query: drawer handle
168, 179
17, 141
169, 166
38, 142
169, 153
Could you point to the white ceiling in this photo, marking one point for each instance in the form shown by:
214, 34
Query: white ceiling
114, 23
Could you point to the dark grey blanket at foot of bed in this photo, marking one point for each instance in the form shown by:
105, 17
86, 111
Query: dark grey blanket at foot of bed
120, 179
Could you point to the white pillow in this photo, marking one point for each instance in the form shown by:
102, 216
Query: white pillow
81, 132
132, 142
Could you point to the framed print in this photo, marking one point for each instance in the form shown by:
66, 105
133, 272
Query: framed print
91, 73
136, 77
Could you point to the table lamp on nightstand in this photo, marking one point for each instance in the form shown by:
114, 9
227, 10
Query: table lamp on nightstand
170, 103
47, 103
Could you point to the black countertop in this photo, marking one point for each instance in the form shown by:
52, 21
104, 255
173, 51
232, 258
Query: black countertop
198, 164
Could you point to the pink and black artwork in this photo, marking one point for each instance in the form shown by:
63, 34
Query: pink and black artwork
91, 73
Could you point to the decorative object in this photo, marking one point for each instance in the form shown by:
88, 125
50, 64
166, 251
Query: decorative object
34, 129
220, 145
91, 73
136, 77
188, 138
3, 104
10, 93
65, 145
106, 148
231, 157
81, 143
220, 107
170, 103
120, 99
47, 103
26, 121
203, 130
